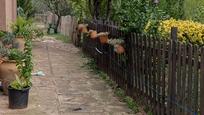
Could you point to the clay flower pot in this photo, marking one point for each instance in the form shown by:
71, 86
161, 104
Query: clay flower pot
21, 42
82, 28
8, 70
103, 36
93, 34
119, 49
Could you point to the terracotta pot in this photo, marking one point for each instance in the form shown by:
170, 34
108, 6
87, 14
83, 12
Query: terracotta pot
93, 34
103, 39
119, 49
21, 43
82, 28
8, 72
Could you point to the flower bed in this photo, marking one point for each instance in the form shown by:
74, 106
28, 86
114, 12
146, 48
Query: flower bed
188, 31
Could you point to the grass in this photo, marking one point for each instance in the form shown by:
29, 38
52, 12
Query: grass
61, 37
91, 65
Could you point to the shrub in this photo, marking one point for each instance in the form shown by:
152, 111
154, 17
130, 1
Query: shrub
188, 31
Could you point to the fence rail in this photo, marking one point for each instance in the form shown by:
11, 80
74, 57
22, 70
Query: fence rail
169, 75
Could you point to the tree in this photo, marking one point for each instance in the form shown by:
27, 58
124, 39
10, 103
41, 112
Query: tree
175, 8
59, 8
27, 7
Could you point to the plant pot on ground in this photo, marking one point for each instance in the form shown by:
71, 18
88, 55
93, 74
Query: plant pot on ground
8, 68
19, 88
18, 99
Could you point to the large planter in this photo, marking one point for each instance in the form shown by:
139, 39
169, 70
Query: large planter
8, 70
21, 43
18, 99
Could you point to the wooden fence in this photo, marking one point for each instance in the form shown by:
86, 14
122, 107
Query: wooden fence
167, 74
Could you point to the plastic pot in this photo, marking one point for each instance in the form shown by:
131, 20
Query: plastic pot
18, 99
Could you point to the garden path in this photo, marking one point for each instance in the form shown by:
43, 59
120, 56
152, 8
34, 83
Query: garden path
67, 88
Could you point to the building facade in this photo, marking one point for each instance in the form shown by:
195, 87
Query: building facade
8, 13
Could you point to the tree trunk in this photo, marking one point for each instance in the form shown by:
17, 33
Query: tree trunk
96, 8
58, 23
109, 6
90, 8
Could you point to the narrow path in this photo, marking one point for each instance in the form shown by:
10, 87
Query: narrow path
67, 88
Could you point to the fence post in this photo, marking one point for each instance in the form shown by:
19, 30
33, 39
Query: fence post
202, 83
172, 71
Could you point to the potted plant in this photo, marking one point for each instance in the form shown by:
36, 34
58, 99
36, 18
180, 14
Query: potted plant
8, 40
82, 28
8, 68
119, 49
103, 36
93, 34
21, 28
18, 89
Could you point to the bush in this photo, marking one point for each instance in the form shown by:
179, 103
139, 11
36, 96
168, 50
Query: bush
188, 31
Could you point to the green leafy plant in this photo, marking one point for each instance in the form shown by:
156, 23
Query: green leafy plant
25, 67
15, 54
8, 38
21, 27
2, 33
3, 51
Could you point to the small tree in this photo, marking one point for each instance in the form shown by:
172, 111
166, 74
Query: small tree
27, 7
59, 8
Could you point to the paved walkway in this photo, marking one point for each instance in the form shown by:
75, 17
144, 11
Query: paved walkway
67, 88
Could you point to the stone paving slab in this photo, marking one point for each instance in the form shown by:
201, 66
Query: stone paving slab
67, 88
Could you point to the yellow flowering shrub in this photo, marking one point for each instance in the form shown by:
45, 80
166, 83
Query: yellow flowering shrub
188, 31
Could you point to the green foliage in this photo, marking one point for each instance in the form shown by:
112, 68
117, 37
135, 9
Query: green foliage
156, 16
175, 8
25, 28
25, 67
2, 33
8, 38
4, 52
21, 27
80, 9
199, 14
27, 8
131, 104
61, 37
15, 54
132, 14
